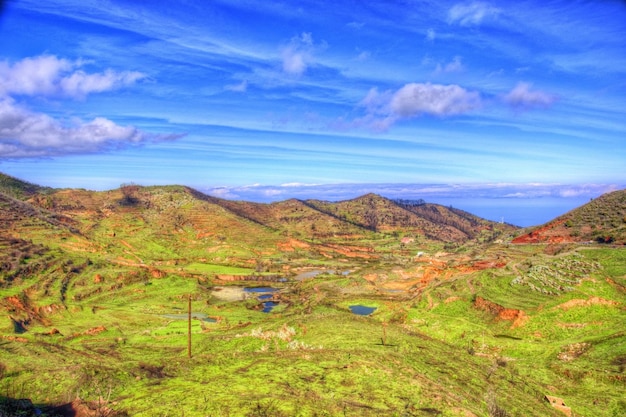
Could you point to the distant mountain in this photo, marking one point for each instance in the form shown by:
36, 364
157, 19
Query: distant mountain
602, 220
165, 209
434, 221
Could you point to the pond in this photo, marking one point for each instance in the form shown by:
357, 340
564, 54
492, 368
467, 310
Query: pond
260, 290
198, 316
268, 306
264, 293
362, 310
243, 293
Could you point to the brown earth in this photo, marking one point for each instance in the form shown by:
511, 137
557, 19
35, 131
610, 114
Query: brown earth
518, 317
553, 232
577, 302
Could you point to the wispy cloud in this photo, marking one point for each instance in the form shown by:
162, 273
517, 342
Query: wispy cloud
523, 97
48, 75
241, 87
431, 35
456, 65
298, 54
469, 14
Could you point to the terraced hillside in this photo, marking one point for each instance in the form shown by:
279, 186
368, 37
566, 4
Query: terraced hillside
95, 289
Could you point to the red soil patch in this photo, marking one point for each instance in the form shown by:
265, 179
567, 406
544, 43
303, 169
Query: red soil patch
15, 339
291, 245
350, 251
480, 265
553, 232
518, 317
91, 332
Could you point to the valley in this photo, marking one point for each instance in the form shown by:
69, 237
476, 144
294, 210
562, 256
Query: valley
457, 315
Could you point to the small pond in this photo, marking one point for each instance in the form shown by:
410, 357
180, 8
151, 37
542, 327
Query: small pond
362, 310
264, 293
243, 293
268, 306
198, 316
260, 290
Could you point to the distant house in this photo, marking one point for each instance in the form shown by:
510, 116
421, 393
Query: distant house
407, 240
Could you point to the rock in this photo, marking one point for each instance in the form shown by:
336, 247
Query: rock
559, 404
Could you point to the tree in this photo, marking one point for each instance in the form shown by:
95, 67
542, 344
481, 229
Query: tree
129, 192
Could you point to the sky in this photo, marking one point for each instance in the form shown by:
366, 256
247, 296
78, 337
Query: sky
510, 110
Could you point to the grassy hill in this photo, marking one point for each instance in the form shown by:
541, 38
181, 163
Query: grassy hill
601, 220
95, 286
18, 188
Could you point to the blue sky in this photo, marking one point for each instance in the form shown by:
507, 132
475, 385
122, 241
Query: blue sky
520, 102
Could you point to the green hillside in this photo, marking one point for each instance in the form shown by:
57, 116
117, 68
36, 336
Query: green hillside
95, 289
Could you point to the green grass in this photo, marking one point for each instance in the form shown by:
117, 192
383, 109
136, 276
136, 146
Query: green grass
218, 269
311, 356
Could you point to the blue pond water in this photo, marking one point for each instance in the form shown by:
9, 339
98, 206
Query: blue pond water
362, 310
265, 293
260, 289
268, 306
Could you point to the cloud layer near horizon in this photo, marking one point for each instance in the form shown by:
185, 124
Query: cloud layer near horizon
428, 192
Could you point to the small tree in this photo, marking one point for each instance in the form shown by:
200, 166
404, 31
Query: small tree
129, 192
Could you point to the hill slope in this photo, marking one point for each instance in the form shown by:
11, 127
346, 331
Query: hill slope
602, 220
17, 188
95, 287
433, 221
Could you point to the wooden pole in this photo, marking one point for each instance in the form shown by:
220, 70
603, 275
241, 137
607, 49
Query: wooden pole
189, 327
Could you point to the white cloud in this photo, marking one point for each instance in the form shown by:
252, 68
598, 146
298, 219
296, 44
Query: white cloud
440, 100
48, 75
298, 54
25, 134
453, 66
474, 13
376, 102
522, 97
28, 134
414, 99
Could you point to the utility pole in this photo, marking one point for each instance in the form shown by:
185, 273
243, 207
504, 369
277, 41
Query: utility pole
189, 327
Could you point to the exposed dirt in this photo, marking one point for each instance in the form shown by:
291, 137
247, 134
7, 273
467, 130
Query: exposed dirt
349, 251
518, 317
577, 302
570, 352
291, 245
553, 232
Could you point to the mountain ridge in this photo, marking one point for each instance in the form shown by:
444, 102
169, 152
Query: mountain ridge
293, 217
